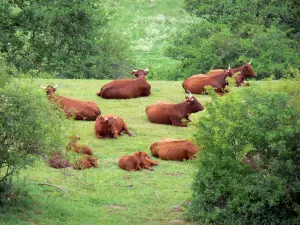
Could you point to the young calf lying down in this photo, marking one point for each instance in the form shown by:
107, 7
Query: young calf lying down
137, 161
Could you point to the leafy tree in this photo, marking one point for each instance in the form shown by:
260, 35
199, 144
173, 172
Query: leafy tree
24, 132
232, 32
68, 38
248, 169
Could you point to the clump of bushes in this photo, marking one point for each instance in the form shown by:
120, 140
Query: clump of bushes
248, 170
25, 134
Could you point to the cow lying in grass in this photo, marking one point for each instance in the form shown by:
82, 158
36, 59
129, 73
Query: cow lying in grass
173, 149
137, 161
110, 126
84, 158
127, 88
76, 147
168, 113
73, 108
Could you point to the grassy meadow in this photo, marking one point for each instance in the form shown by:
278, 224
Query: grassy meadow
109, 195
149, 26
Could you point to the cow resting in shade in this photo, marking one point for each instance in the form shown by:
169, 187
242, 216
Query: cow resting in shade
172, 114
73, 108
127, 88
173, 149
110, 126
137, 161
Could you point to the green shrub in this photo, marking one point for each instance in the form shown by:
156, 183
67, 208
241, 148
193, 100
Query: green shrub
248, 170
206, 45
29, 127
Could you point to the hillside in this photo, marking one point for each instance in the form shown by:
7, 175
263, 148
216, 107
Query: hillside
149, 26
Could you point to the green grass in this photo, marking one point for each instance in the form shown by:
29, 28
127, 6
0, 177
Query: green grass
149, 26
109, 195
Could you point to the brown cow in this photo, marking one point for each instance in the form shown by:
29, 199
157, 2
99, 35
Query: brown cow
76, 147
85, 162
138, 161
196, 84
110, 126
172, 149
77, 109
127, 88
168, 113
216, 78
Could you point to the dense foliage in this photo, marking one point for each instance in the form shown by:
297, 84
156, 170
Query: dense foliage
29, 126
233, 32
248, 170
66, 38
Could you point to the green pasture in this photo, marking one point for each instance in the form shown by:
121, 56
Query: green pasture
149, 26
109, 195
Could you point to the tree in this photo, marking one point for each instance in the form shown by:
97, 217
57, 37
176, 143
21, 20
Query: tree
24, 132
67, 38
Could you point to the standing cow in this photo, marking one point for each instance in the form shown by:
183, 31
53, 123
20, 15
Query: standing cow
127, 88
73, 108
168, 113
110, 126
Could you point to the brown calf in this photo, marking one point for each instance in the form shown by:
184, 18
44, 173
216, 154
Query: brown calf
110, 126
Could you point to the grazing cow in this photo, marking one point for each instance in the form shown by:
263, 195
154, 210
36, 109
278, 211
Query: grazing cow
172, 149
110, 126
168, 113
137, 161
76, 147
77, 109
127, 88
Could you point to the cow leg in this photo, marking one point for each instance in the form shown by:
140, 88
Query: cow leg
125, 128
179, 123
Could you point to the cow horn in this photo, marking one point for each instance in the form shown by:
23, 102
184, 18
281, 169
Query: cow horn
250, 62
41, 86
190, 93
57, 85
229, 67
116, 116
147, 69
134, 70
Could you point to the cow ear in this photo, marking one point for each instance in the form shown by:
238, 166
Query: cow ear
188, 100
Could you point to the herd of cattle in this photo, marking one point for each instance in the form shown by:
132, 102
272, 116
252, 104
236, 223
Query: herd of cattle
111, 126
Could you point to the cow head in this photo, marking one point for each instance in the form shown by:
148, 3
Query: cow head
74, 138
50, 89
248, 70
110, 124
194, 104
140, 73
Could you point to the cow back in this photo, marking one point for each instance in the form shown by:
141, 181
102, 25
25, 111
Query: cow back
125, 89
170, 149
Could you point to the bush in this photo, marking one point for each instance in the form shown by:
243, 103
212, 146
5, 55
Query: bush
248, 170
29, 126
